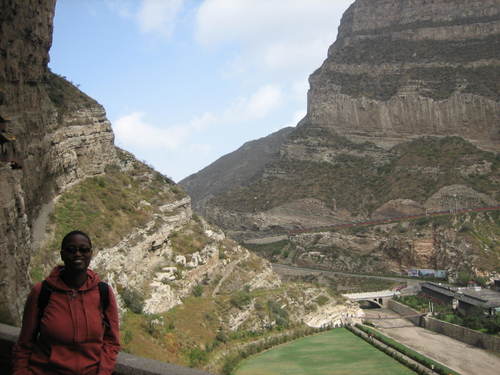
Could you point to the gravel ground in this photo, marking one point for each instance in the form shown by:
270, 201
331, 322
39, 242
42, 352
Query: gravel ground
463, 358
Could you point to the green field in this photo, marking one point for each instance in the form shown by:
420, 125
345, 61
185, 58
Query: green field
336, 352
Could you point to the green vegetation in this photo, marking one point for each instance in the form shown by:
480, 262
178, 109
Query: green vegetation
133, 300
190, 239
106, 207
241, 299
198, 290
270, 250
63, 93
416, 170
334, 352
427, 362
195, 333
418, 302
473, 319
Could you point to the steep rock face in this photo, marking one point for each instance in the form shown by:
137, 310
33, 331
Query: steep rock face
57, 141
402, 69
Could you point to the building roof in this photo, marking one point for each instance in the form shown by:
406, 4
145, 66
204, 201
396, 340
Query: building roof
442, 289
486, 298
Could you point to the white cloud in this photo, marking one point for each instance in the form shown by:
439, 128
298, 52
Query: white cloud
264, 101
292, 35
132, 131
159, 16
152, 16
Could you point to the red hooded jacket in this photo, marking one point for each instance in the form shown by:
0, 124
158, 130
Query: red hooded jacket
73, 339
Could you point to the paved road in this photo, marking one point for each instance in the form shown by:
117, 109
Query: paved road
281, 268
463, 358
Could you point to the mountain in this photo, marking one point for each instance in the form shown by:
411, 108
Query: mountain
187, 293
403, 69
402, 118
234, 169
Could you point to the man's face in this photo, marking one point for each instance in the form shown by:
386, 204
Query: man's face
77, 253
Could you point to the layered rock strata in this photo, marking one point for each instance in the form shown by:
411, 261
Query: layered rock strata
403, 69
56, 137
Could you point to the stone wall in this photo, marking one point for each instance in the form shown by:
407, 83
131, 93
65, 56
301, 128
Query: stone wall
127, 364
466, 335
412, 315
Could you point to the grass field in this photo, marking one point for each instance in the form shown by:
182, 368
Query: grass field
336, 352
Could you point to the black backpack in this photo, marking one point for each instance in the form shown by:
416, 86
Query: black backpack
46, 291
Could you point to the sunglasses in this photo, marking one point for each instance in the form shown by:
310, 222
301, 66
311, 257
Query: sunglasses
82, 250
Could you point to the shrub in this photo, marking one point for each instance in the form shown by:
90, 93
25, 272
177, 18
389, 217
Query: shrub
279, 315
198, 290
321, 300
127, 337
241, 299
197, 357
154, 325
133, 300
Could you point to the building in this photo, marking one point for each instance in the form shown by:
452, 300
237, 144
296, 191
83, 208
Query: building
464, 299
423, 272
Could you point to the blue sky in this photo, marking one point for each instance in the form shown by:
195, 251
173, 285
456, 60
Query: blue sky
184, 82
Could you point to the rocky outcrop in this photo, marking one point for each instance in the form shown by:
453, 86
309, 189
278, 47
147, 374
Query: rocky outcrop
465, 243
403, 69
146, 261
56, 137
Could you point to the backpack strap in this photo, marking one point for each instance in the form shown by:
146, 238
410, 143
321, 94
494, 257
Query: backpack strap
104, 296
43, 301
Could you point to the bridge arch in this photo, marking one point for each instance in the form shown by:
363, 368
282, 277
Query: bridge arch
372, 302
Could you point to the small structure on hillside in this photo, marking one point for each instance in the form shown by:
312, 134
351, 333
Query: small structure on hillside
424, 272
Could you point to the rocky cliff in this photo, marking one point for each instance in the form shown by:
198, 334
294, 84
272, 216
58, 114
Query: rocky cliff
403, 117
403, 69
52, 136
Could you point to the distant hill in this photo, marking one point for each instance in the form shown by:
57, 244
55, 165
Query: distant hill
234, 169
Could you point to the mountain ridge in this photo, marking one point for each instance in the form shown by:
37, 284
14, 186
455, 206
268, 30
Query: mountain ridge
402, 115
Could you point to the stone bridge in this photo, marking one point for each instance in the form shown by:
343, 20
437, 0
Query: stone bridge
378, 298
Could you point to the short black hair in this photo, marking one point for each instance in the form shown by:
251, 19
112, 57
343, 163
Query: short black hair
66, 238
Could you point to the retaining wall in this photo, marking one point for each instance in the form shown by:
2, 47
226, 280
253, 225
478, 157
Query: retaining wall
466, 335
413, 316
127, 364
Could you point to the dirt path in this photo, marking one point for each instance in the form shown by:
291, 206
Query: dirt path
463, 358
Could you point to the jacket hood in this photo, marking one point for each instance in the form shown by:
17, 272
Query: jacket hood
54, 279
